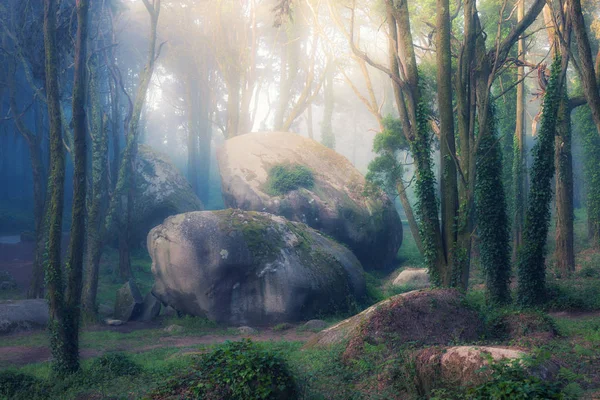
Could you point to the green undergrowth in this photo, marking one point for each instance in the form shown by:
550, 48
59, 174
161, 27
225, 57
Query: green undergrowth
234, 370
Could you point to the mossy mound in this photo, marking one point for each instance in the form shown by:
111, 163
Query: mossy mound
418, 318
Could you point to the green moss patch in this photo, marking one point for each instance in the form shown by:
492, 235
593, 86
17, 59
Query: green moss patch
284, 178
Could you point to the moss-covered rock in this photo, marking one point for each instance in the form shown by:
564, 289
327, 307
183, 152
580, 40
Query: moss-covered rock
161, 191
251, 268
333, 201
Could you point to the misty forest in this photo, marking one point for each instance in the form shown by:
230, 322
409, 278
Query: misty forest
299, 199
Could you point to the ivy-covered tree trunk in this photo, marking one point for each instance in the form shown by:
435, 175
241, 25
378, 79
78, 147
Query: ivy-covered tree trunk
493, 229
531, 260
563, 161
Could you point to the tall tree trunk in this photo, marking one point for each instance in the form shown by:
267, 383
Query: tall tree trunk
586, 68
77, 233
233, 106
415, 126
448, 175
193, 127
327, 134
95, 231
520, 159
54, 276
563, 161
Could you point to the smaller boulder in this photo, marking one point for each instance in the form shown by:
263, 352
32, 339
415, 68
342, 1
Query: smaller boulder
174, 328
150, 308
169, 311
129, 302
246, 330
105, 310
113, 322
462, 366
315, 325
23, 315
416, 278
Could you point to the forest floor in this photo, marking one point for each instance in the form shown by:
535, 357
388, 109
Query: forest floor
574, 309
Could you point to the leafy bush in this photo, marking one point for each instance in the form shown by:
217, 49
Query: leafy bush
574, 294
285, 178
235, 370
510, 380
112, 365
284, 326
14, 383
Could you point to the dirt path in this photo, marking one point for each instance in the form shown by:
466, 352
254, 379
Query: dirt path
575, 315
17, 356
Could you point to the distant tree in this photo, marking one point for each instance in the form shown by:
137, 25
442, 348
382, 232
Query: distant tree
121, 205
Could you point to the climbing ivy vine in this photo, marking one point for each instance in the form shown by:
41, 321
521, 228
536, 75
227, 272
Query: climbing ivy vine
531, 256
425, 183
492, 218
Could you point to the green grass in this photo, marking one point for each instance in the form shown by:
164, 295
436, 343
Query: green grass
110, 282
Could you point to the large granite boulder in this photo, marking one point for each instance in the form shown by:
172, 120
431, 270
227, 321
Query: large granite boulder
161, 191
250, 268
335, 204
23, 315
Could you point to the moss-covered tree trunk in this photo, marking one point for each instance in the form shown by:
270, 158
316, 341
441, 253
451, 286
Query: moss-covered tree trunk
97, 195
54, 275
77, 233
